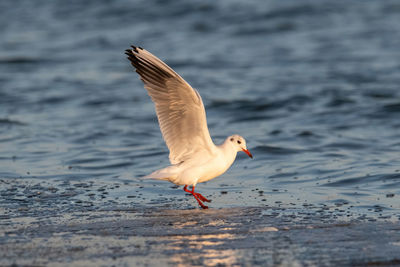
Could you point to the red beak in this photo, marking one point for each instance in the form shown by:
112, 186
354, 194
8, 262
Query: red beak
248, 153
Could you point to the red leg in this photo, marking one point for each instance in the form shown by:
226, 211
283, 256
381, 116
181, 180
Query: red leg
197, 196
202, 197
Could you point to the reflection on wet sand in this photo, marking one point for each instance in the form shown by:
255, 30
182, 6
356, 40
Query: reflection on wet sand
195, 247
202, 249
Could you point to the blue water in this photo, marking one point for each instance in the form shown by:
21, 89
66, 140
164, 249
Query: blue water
313, 86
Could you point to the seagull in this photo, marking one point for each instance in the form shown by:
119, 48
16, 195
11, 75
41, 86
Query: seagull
182, 118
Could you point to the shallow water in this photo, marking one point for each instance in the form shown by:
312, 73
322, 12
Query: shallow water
258, 236
312, 86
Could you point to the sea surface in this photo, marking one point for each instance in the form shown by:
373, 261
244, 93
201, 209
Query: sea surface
313, 86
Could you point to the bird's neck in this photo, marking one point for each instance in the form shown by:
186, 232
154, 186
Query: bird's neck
228, 151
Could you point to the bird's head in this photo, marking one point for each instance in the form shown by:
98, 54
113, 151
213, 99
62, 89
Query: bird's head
239, 144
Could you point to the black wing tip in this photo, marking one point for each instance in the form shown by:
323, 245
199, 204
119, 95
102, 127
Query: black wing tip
130, 54
142, 66
135, 48
132, 58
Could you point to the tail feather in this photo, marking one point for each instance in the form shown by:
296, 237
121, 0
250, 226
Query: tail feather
168, 174
157, 176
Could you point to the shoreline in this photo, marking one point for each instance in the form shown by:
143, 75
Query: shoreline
228, 236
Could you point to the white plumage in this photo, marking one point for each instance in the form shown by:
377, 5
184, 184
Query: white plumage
183, 124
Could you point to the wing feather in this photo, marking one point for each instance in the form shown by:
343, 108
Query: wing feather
179, 107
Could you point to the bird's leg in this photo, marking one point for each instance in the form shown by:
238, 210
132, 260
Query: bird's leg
202, 197
195, 195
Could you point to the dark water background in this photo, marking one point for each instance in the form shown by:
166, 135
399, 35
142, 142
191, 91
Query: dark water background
312, 85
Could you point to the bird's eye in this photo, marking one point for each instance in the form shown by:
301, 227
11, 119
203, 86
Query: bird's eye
239, 142
232, 139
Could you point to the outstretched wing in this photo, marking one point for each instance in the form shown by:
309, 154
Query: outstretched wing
179, 107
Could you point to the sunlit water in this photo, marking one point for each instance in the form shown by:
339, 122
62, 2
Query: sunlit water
312, 86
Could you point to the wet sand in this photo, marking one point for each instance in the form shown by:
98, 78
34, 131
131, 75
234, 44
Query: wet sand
53, 225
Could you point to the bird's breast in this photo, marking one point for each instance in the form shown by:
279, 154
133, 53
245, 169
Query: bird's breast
214, 168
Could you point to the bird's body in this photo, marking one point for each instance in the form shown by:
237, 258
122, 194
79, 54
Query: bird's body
200, 168
194, 157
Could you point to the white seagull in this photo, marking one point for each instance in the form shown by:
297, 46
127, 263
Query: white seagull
194, 157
